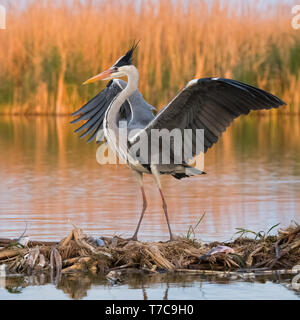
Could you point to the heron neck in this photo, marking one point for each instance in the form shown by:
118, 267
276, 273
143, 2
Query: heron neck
131, 87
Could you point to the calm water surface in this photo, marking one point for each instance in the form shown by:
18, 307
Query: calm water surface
51, 179
160, 287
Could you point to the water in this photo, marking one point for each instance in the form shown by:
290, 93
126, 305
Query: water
160, 287
51, 179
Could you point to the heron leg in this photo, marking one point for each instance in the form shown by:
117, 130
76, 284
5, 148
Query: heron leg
166, 214
157, 180
140, 180
134, 237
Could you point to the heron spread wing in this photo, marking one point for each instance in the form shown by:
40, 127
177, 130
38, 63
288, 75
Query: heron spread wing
134, 110
210, 104
94, 110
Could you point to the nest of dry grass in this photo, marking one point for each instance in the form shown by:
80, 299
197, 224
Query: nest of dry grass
80, 253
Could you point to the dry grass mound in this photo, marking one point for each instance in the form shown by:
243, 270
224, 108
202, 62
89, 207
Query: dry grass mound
81, 253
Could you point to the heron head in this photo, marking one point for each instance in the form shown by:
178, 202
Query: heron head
119, 69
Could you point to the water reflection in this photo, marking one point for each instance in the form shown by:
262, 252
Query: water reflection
51, 179
147, 287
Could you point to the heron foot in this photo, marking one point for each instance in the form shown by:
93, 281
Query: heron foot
174, 237
133, 238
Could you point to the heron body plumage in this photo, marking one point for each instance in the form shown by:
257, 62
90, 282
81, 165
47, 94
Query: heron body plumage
210, 104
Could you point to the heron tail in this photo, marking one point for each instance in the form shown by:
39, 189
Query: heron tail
189, 171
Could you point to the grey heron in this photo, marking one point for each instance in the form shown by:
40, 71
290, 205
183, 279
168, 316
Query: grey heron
210, 104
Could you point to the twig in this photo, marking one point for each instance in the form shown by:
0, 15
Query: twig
5, 242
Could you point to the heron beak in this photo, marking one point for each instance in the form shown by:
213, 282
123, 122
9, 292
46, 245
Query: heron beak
101, 76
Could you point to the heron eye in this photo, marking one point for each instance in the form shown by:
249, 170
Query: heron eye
115, 69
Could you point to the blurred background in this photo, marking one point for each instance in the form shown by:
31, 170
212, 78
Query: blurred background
51, 179
50, 47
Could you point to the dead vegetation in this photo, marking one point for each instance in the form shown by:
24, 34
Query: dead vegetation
50, 48
78, 253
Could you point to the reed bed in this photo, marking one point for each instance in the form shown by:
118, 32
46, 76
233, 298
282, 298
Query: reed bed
50, 47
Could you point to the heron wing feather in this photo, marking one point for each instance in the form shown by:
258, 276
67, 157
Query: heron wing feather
210, 104
94, 110
134, 110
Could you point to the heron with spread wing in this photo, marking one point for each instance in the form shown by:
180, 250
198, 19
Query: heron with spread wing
210, 104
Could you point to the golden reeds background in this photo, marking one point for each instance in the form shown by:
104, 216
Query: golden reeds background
50, 47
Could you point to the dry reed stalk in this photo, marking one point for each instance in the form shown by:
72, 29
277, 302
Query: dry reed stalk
9, 253
268, 252
50, 48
